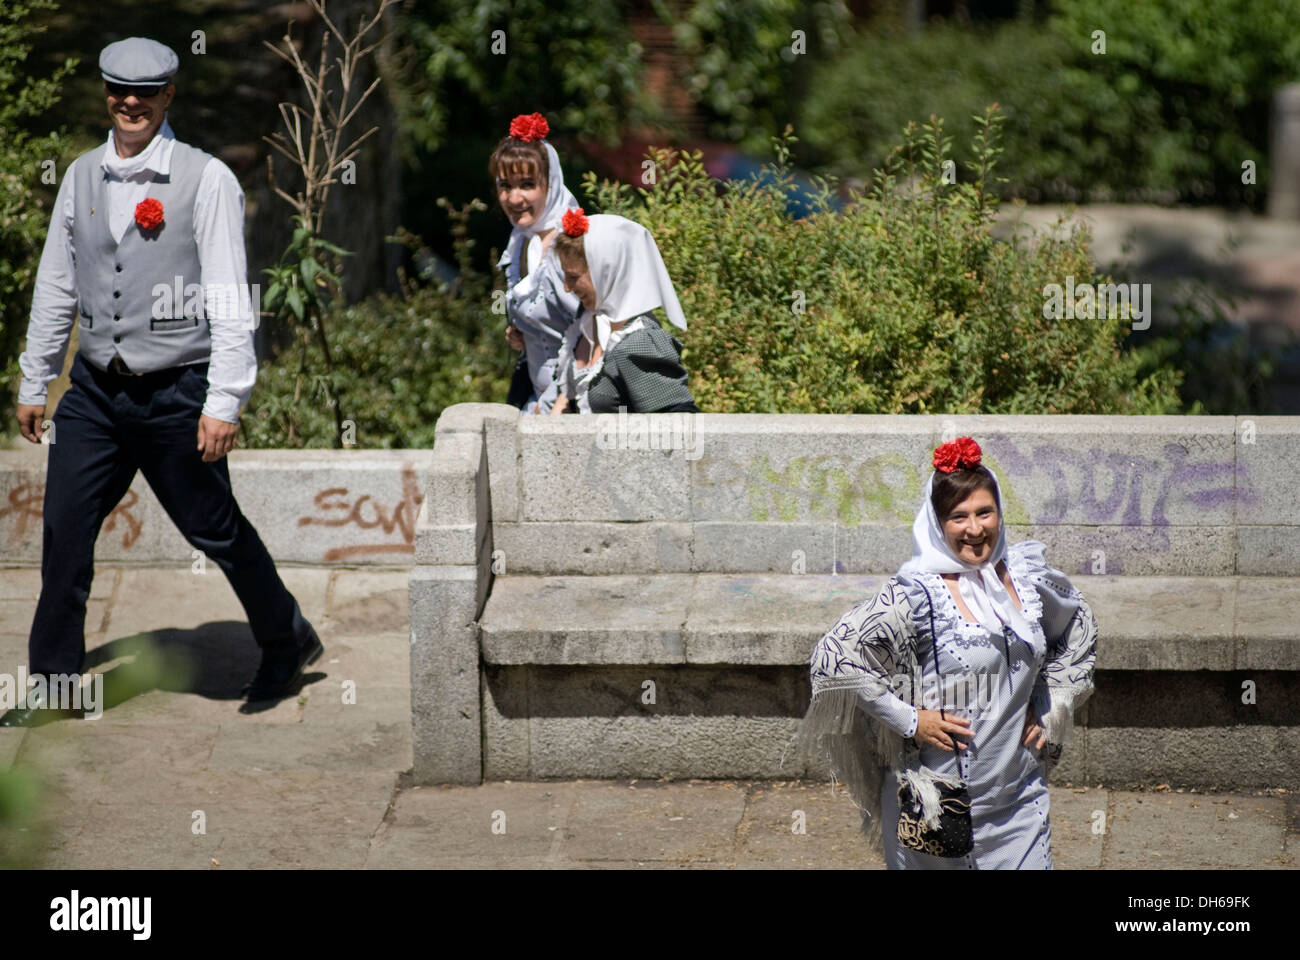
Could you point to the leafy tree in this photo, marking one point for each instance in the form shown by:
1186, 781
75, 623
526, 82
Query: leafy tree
29, 167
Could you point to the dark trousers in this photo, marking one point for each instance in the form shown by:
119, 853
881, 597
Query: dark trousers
106, 427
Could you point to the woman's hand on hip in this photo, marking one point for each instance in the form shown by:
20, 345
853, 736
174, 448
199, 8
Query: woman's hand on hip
934, 731
1033, 729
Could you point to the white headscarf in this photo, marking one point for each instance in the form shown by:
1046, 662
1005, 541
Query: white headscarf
979, 585
558, 197
628, 274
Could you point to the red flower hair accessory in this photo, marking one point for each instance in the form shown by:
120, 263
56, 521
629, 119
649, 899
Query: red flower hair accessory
961, 454
574, 223
529, 126
149, 214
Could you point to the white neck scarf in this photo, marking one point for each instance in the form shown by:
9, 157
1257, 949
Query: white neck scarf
980, 586
628, 274
146, 159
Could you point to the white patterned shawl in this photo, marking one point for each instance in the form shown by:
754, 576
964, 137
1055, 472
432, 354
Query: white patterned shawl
870, 663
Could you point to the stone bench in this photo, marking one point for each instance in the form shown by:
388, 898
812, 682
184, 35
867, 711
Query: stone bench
589, 604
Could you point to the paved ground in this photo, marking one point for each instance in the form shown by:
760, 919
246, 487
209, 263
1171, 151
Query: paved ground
177, 777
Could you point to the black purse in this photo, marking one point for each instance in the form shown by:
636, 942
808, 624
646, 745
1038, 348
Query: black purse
953, 838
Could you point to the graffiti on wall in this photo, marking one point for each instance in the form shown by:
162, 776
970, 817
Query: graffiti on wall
1087, 486
24, 510
338, 507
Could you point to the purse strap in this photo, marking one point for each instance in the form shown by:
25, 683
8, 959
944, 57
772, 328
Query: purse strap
934, 649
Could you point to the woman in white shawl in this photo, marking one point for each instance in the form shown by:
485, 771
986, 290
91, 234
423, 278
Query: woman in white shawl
531, 191
1015, 643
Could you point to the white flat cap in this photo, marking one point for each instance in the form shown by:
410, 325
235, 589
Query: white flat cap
137, 60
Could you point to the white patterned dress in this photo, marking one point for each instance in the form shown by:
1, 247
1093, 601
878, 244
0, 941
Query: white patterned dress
874, 667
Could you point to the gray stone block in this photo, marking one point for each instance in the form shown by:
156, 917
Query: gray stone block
502, 437
471, 417
586, 620
454, 480
1212, 757
701, 722
1267, 490
1271, 551
811, 469
1162, 623
767, 619
1138, 551
455, 545
727, 547
1134, 471
506, 717
445, 713
592, 548
565, 475
1268, 635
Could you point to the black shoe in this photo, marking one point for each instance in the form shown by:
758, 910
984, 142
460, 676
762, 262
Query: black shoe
280, 673
36, 713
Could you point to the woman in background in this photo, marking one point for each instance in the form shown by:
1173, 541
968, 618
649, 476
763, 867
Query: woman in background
530, 189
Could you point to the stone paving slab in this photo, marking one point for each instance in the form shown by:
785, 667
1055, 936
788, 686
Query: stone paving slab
693, 821
830, 829
1153, 831
319, 782
24, 583
383, 659
504, 824
1073, 813
366, 601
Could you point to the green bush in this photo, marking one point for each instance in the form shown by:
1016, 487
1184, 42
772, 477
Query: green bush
1171, 110
901, 303
24, 160
398, 362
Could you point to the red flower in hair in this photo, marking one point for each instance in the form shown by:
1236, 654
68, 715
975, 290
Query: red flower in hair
574, 223
149, 214
961, 454
529, 126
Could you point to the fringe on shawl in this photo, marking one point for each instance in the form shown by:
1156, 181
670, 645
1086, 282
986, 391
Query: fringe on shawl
858, 751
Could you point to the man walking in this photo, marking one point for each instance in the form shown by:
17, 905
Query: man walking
158, 381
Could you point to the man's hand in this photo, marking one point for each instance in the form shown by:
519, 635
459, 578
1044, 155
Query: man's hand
216, 437
30, 419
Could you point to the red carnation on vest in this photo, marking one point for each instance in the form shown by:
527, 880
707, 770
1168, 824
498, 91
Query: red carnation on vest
149, 214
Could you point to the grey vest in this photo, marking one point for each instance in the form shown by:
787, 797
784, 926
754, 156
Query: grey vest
119, 284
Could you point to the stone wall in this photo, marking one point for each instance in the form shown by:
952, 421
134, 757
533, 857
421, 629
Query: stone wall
706, 554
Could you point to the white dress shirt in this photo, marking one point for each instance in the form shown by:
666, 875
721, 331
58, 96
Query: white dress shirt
219, 234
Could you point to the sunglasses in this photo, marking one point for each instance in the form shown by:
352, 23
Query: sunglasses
143, 91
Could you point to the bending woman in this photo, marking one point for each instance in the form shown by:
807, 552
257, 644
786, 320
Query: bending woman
1014, 643
615, 355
